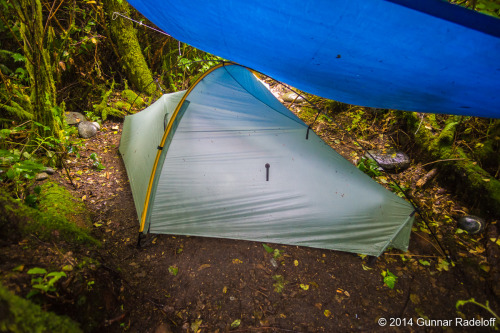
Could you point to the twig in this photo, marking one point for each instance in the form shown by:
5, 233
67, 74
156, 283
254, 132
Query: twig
440, 252
445, 160
104, 199
111, 321
67, 173
410, 255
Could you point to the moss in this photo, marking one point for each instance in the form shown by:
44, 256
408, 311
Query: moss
446, 136
133, 98
104, 110
475, 184
20, 315
57, 200
121, 105
59, 215
131, 57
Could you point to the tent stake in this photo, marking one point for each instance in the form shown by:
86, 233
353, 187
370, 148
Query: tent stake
139, 240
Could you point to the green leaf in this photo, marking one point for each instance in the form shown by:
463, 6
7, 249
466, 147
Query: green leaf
268, 248
18, 57
424, 262
277, 253
57, 274
389, 279
442, 265
463, 302
32, 293
37, 270
173, 270
11, 174
196, 325
4, 134
235, 324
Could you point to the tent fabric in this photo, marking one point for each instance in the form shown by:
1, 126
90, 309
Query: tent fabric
212, 178
425, 56
144, 131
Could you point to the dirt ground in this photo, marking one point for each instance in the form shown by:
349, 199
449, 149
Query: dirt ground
191, 284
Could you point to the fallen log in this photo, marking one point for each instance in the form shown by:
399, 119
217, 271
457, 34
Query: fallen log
457, 169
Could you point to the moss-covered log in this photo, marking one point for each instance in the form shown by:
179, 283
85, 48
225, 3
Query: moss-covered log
20, 315
475, 184
59, 216
131, 57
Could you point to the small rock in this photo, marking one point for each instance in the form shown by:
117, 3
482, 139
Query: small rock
41, 176
49, 170
73, 118
390, 159
274, 263
291, 96
168, 309
163, 328
471, 224
86, 129
96, 124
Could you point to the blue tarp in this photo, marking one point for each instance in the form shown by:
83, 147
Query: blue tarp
425, 55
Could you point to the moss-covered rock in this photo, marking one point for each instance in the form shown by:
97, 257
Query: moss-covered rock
122, 105
20, 315
132, 98
104, 109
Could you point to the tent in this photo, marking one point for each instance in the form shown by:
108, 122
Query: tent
226, 159
413, 55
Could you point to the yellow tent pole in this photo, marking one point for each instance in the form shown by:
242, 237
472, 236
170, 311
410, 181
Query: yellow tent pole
165, 135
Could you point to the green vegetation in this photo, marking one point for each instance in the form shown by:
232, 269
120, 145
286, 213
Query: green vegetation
459, 170
488, 7
96, 163
104, 109
369, 166
20, 315
275, 252
43, 282
279, 283
389, 279
58, 216
132, 98
485, 306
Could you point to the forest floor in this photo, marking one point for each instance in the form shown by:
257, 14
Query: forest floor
191, 284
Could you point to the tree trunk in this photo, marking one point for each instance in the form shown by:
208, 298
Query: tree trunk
43, 92
124, 35
475, 184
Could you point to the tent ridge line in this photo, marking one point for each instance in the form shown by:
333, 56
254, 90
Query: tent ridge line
164, 138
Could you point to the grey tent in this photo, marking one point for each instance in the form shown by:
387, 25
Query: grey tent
226, 159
